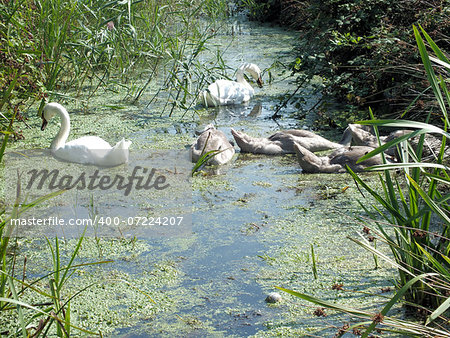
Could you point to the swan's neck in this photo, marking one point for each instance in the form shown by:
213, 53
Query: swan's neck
61, 138
241, 79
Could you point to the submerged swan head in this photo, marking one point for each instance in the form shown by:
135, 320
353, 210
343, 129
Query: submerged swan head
254, 72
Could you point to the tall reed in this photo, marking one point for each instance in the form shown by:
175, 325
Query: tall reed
411, 213
418, 207
72, 49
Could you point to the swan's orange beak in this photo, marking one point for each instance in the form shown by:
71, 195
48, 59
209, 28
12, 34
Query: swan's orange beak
259, 82
44, 123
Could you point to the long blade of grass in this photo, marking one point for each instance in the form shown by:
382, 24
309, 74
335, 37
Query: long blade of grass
440, 62
392, 209
403, 326
436, 264
408, 165
434, 47
430, 72
365, 244
19, 307
439, 311
395, 299
427, 128
432, 204
74, 254
326, 304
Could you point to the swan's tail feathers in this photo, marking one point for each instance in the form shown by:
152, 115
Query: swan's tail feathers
118, 154
202, 98
122, 144
207, 99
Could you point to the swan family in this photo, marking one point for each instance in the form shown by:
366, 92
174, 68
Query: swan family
304, 143
215, 144
94, 150
84, 150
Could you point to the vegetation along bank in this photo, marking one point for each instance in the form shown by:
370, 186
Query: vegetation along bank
364, 50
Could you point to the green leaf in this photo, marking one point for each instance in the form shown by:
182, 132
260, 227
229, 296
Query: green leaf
396, 299
429, 201
440, 310
430, 72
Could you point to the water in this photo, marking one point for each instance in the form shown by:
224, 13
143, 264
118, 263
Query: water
241, 211
253, 223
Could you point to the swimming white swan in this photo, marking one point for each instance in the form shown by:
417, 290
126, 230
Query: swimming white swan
282, 142
212, 139
226, 92
85, 150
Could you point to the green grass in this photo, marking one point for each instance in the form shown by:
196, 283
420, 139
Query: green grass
69, 50
410, 215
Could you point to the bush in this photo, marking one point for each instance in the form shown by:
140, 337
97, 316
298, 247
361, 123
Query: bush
364, 50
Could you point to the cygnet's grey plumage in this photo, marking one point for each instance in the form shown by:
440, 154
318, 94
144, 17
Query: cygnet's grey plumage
282, 142
336, 161
212, 139
360, 135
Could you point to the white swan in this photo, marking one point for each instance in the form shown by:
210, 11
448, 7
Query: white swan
211, 139
226, 92
85, 150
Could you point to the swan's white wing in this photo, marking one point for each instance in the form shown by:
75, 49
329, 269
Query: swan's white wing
92, 142
94, 150
117, 155
230, 92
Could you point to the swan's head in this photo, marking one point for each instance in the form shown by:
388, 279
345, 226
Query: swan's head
254, 71
50, 110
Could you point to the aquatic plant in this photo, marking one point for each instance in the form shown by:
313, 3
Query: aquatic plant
418, 208
72, 49
411, 214
55, 311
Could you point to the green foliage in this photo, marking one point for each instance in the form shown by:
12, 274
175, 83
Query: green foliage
266, 10
21, 67
49, 48
54, 314
73, 48
364, 51
418, 208
411, 213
